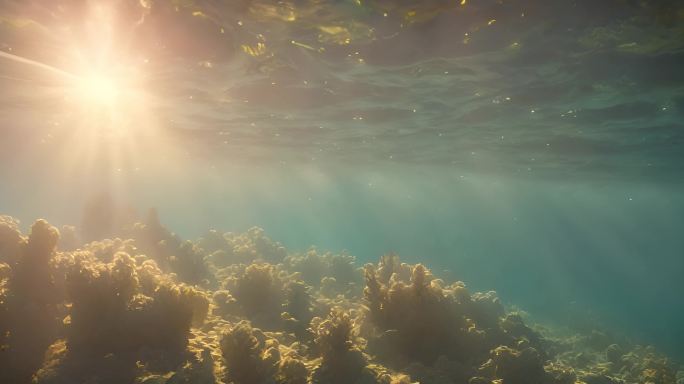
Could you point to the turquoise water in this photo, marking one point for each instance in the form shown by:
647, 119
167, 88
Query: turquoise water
535, 148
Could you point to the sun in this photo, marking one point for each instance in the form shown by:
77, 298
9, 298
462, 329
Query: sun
111, 99
99, 89
108, 102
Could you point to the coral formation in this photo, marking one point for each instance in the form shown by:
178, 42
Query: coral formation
149, 307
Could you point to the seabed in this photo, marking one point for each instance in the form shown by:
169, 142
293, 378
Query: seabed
148, 307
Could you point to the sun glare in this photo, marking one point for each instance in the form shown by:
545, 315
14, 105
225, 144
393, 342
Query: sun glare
109, 98
101, 104
98, 89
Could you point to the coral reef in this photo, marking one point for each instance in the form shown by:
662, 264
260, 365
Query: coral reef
148, 307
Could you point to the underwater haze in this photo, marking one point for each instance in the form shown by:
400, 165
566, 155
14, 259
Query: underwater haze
254, 191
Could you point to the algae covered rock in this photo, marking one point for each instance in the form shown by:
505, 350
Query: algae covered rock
341, 359
515, 366
259, 291
246, 357
417, 318
30, 303
423, 320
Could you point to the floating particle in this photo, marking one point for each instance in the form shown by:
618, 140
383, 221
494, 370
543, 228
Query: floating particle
301, 45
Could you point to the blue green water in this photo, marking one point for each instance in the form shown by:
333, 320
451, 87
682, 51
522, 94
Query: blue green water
531, 147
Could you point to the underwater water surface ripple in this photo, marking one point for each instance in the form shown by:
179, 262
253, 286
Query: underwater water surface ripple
563, 87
